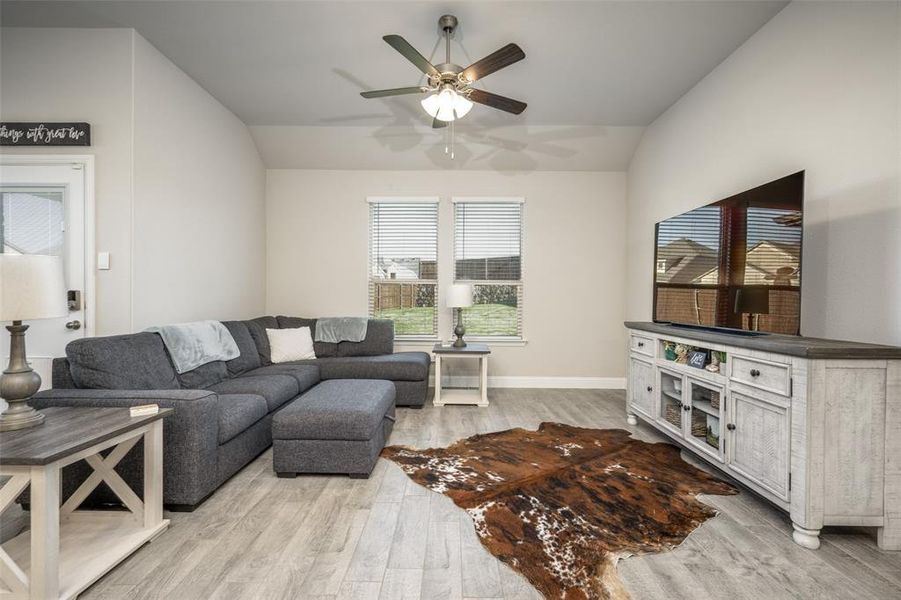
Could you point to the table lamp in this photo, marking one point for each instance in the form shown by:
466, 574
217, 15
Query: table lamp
31, 287
459, 296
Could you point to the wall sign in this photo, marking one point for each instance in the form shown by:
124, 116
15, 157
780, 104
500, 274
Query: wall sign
45, 134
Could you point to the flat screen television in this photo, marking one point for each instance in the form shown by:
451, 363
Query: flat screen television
734, 264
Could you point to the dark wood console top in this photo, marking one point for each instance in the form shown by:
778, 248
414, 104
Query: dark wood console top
804, 347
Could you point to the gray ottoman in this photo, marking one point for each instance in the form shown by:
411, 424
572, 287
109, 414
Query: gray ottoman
339, 426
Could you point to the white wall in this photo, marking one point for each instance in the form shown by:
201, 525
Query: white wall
179, 183
573, 256
82, 75
199, 247
816, 89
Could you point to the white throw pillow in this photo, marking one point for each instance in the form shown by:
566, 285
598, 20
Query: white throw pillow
286, 345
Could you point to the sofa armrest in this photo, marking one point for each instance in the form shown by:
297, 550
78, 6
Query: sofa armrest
190, 434
116, 398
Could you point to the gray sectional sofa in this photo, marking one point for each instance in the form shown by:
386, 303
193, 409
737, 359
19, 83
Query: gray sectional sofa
224, 411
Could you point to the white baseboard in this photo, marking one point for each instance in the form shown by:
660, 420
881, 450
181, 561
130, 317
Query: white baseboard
582, 383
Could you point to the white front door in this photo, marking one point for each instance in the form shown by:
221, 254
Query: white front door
42, 211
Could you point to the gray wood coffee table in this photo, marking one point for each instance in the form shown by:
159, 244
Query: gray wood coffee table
68, 549
477, 396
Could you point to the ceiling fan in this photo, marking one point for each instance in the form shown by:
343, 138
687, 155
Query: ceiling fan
449, 85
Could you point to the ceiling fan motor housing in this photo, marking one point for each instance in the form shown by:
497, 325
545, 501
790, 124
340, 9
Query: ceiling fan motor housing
447, 24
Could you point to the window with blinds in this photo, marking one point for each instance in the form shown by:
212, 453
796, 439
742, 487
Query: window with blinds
403, 264
488, 255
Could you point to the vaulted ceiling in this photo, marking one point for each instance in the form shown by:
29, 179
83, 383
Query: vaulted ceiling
594, 75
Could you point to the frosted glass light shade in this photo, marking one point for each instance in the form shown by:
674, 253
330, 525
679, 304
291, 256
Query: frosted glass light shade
31, 287
446, 105
459, 295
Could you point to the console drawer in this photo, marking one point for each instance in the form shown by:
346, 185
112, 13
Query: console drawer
641, 344
762, 374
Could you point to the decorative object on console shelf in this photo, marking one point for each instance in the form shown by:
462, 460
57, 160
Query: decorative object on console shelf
697, 359
669, 350
31, 287
682, 353
459, 296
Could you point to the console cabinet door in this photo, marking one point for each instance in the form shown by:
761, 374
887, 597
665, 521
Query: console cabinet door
703, 423
758, 432
671, 412
641, 387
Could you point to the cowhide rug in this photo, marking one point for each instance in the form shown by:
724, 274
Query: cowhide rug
563, 504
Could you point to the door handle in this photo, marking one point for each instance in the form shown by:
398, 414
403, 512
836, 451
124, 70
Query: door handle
730, 426
73, 325
650, 389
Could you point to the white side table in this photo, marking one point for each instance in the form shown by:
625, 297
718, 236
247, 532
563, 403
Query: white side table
474, 396
68, 549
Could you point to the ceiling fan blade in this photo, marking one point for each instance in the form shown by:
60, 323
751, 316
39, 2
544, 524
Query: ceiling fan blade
438, 123
411, 54
495, 61
394, 92
494, 101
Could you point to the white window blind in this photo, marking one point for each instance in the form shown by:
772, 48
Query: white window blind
403, 264
488, 255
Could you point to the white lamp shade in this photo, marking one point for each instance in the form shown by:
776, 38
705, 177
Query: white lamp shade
446, 105
31, 287
459, 295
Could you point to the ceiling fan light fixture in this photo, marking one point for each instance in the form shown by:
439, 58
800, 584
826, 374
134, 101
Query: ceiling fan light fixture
447, 105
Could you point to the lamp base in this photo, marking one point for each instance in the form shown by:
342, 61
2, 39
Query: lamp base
459, 330
20, 416
18, 383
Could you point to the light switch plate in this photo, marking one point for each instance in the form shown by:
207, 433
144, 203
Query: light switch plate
103, 261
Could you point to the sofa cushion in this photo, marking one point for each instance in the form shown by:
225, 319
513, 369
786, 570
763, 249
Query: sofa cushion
322, 349
276, 389
379, 340
136, 361
203, 376
237, 412
250, 356
402, 366
336, 410
306, 375
257, 328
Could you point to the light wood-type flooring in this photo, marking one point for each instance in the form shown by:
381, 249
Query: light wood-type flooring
260, 537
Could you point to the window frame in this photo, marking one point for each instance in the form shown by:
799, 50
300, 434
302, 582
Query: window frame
520, 337
372, 281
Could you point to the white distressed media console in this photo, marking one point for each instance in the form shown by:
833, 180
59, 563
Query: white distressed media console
812, 425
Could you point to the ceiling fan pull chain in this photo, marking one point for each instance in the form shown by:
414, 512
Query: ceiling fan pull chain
452, 126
